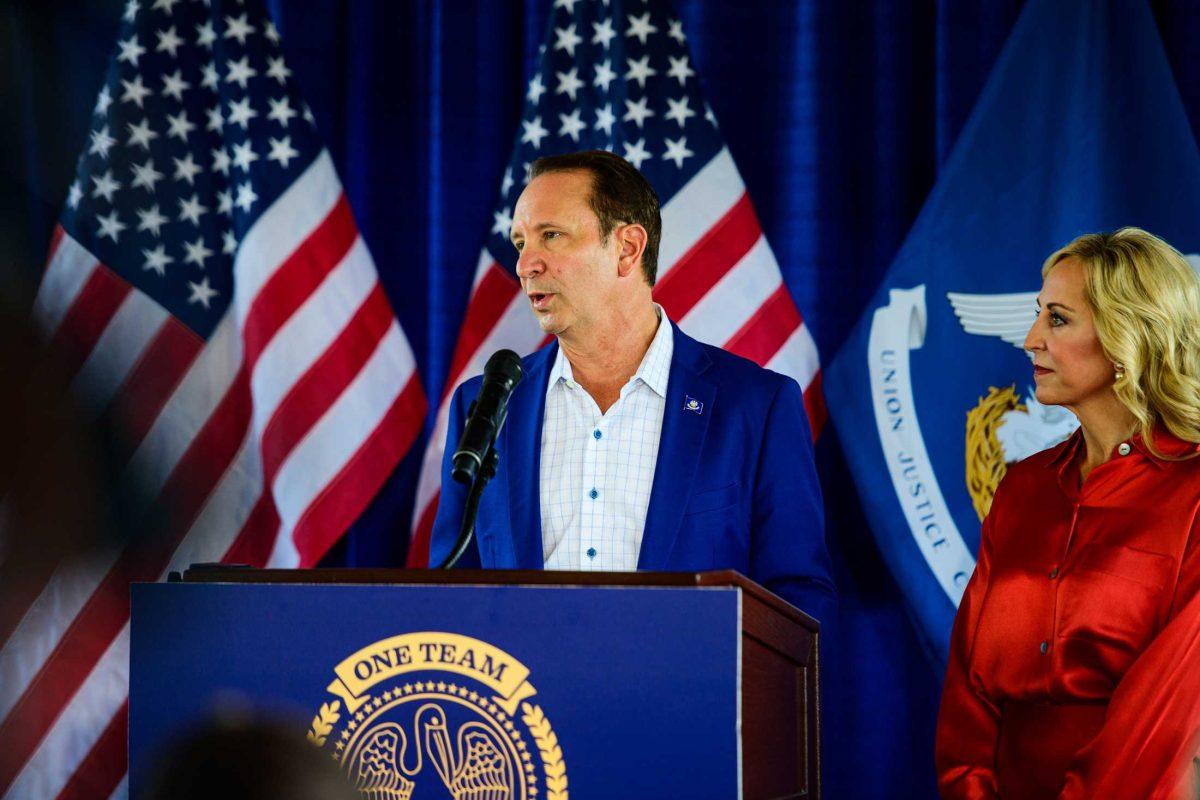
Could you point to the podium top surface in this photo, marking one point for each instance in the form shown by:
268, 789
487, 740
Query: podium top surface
221, 573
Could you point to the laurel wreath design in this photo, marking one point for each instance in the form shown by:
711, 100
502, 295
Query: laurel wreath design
985, 456
551, 752
323, 722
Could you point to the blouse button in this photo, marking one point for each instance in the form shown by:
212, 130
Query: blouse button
1123, 448
1044, 646
1054, 573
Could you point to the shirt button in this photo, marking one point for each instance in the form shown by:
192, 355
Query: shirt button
597, 434
593, 494
1054, 573
1044, 647
1123, 448
591, 552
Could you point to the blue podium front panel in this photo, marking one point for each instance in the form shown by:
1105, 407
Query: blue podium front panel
529, 693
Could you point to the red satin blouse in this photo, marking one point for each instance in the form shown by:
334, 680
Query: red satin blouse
1074, 666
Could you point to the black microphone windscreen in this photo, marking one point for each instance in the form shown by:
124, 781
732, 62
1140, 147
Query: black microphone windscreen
505, 363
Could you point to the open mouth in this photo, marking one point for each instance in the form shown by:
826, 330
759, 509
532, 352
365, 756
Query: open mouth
539, 299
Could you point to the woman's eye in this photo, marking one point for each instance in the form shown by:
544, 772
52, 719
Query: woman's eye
1056, 320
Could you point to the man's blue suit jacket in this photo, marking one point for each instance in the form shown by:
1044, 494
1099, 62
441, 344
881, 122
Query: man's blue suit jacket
735, 486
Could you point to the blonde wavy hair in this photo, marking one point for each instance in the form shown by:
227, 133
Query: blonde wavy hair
1145, 297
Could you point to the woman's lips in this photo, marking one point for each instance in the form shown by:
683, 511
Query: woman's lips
1040, 371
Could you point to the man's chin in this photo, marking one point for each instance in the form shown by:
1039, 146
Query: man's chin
549, 324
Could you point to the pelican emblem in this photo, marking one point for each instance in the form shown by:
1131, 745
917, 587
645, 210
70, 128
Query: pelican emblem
429, 714
477, 769
380, 771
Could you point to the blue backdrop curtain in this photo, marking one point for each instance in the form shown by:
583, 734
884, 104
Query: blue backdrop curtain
838, 114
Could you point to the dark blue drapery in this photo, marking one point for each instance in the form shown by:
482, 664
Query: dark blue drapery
839, 116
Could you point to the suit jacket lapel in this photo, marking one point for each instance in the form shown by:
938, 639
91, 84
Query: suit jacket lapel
679, 449
521, 459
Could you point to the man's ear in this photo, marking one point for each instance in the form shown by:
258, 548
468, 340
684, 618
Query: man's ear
631, 240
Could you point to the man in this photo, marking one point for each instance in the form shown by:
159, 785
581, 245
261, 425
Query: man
629, 445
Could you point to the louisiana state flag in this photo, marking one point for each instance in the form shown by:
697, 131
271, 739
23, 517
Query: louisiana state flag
1080, 128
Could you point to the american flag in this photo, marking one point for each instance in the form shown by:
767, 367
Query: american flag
618, 76
210, 288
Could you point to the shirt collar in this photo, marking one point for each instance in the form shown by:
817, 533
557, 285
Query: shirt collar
654, 369
1164, 441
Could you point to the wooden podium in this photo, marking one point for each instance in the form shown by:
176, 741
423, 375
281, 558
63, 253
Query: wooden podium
776, 680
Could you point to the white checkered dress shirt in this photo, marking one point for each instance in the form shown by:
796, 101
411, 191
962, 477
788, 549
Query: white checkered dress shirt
597, 469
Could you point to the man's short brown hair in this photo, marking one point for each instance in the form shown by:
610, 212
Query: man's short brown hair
620, 195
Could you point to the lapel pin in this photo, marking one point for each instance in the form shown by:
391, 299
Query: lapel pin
692, 404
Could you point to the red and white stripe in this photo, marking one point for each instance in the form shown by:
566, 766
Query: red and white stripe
259, 446
717, 278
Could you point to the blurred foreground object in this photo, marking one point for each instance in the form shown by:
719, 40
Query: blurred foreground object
246, 759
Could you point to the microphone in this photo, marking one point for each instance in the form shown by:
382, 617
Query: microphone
501, 375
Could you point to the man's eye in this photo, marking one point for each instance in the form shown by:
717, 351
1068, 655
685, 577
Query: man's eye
551, 234
518, 245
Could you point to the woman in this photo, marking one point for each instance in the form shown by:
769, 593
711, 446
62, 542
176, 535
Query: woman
1074, 666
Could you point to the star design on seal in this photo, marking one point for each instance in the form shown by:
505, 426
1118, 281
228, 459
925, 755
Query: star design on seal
358, 717
408, 689
377, 702
474, 696
387, 695
441, 687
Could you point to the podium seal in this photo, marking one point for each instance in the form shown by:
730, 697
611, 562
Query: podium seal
434, 714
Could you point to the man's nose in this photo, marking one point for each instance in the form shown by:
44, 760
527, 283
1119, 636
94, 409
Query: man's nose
529, 263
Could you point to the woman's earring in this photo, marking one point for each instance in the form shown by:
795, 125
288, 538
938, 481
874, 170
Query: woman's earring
1120, 371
